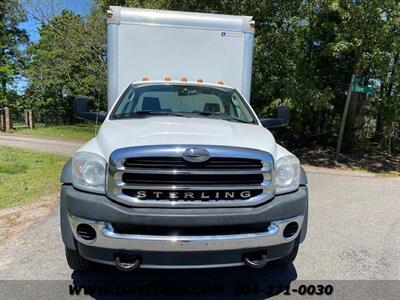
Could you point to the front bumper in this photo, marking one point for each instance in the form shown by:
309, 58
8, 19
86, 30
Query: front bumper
107, 238
183, 251
101, 208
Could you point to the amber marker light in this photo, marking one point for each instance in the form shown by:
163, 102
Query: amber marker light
109, 14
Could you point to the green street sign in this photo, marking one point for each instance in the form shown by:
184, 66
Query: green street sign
364, 89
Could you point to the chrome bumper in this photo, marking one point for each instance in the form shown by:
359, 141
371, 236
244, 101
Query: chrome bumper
107, 238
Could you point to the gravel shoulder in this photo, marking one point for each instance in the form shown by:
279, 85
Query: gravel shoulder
17, 219
43, 144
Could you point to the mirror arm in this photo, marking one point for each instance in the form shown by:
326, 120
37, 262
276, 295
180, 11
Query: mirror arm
81, 110
92, 116
273, 122
282, 119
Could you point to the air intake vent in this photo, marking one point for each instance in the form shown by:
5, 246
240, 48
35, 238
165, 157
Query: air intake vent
211, 179
179, 163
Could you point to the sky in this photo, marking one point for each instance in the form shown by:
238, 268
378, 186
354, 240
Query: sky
81, 7
35, 8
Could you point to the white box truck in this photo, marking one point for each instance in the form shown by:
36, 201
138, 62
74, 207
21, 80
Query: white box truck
182, 173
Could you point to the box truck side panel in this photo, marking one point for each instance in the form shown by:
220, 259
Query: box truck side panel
137, 48
247, 65
112, 64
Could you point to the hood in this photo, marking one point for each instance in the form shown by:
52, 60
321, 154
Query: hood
162, 130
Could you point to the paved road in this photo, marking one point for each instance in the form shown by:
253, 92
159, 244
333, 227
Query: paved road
354, 234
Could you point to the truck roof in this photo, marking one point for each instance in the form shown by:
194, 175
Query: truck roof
117, 15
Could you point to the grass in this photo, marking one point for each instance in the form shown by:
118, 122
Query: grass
25, 176
78, 132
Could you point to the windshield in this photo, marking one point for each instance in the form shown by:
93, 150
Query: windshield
183, 101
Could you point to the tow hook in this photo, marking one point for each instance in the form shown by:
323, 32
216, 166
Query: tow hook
127, 263
256, 263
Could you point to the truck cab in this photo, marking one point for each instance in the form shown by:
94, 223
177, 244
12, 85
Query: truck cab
182, 173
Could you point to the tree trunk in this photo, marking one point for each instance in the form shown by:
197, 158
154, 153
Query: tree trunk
385, 95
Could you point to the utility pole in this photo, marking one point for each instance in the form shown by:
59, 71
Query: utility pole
344, 117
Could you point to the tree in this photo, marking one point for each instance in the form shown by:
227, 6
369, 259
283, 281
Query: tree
12, 40
365, 37
69, 58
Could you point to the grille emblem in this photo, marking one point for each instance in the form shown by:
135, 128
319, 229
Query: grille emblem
196, 155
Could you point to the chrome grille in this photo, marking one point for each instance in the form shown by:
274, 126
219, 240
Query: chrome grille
192, 178
179, 163
158, 176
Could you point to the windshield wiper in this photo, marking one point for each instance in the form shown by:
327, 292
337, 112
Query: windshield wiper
222, 115
148, 112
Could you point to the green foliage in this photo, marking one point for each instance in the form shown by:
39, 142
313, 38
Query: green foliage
67, 61
11, 40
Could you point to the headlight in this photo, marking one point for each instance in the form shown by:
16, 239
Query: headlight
287, 174
89, 172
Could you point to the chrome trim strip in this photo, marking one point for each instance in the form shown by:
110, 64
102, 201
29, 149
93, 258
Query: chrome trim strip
144, 266
131, 201
150, 266
120, 171
116, 169
177, 150
191, 187
107, 238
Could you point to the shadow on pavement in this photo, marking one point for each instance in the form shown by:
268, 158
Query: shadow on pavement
223, 283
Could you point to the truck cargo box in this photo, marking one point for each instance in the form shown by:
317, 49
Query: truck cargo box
155, 44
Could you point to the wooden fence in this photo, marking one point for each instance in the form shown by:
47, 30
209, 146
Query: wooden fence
6, 119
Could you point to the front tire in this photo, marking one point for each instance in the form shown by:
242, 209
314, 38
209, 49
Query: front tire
286, 260
76, 261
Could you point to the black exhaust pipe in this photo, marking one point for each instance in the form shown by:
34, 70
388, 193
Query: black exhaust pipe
127, 263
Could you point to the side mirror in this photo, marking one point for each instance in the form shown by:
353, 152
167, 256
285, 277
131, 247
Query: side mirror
282, 119
81, 110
